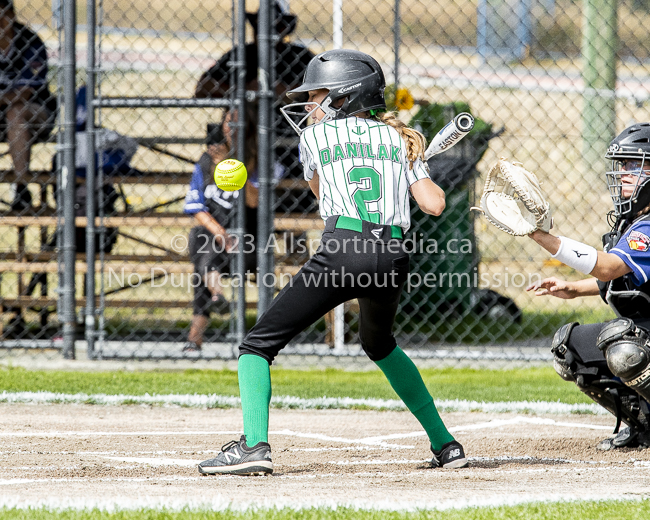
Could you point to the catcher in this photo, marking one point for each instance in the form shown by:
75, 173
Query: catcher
609, 362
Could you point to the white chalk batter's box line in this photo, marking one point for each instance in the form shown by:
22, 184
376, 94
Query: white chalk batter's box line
138, 461
604, 465
154, 462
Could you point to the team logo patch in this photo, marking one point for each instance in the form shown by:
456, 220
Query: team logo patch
358, 130
638, 241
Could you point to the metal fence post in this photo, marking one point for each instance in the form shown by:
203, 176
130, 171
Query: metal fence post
240, 25
91, 210
264, 210
68, 179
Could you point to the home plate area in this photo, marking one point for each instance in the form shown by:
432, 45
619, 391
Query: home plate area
62, 455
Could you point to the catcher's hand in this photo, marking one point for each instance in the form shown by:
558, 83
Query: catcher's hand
554, 287
513, 200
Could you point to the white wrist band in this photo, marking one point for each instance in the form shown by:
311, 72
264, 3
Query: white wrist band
577, 255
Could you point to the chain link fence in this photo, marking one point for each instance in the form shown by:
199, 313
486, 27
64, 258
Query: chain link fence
550, 82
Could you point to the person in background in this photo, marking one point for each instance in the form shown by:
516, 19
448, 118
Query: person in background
291, 60
27, 108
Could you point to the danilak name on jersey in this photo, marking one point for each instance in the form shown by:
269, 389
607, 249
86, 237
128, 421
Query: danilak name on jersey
339, 152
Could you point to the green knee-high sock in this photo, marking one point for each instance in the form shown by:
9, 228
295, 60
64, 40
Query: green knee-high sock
404, 377
255, 391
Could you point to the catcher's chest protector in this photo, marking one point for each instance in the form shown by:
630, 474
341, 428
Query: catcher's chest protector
625, 298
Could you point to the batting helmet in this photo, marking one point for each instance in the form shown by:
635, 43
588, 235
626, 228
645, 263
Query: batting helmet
346, 74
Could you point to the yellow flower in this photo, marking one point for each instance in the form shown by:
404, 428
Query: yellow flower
403, 99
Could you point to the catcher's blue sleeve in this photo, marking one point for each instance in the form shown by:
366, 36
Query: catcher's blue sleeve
195, 198
634, 249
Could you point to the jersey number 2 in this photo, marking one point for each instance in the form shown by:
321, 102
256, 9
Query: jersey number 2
368, 190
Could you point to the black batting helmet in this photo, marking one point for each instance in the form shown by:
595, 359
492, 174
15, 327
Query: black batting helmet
346, 74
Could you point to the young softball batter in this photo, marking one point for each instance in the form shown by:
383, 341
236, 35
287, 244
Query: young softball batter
361, 163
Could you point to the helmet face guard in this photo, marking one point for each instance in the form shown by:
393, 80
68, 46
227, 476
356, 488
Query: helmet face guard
630, 155
297, 114
636, 178
347, 75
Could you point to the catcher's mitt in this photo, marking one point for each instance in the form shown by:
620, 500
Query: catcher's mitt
513, 200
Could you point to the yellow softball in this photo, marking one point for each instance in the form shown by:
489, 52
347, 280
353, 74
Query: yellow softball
230, 175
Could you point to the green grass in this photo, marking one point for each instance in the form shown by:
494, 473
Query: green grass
531, 384
610, 509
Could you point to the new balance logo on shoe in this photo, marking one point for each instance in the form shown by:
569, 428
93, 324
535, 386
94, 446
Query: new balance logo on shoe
234, 455
450, 456
377, 232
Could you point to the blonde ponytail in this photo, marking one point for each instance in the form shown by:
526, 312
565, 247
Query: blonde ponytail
415, 141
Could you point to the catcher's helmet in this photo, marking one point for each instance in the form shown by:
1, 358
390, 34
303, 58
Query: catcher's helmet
346, 74
630, 155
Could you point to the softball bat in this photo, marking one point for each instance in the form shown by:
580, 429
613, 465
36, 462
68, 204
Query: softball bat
450, 134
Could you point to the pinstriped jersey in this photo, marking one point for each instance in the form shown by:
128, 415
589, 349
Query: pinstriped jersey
363, 170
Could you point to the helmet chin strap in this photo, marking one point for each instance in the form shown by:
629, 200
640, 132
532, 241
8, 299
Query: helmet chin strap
330, 113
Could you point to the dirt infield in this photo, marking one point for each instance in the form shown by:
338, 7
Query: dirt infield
135, 456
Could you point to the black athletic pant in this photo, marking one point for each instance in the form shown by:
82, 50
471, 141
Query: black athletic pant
582, 342
368, 265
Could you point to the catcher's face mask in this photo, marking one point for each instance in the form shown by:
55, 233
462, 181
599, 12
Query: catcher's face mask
627, 180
